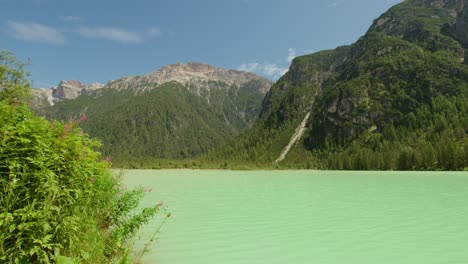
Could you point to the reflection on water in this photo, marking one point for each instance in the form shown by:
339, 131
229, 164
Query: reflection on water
307, 216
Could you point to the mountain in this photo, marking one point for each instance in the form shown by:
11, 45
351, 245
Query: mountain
178, 111
395, 99
43, 98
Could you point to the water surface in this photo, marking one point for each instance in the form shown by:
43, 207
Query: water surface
324, 217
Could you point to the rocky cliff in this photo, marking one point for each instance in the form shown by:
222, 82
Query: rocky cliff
65, 90
404, 61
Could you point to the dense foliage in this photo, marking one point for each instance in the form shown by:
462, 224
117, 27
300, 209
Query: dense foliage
396, 99
169, 121
58, 201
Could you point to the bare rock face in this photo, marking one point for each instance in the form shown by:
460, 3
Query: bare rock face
192, 74
63, 91
94, 86
42, 96
67, 90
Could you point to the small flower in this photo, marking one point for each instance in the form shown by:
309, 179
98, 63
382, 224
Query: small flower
82, 119
68, 127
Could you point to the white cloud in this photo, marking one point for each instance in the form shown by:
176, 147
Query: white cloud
153, 32
110, 33
249, 67
37, 32
273, 70
268, 69
291, 54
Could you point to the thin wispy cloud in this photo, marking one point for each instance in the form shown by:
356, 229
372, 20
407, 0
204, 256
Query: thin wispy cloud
112, 34
37, 32
273, 70
71, 18
118, 34
291, 55
270, 69
153, 32
249, 67
334, 4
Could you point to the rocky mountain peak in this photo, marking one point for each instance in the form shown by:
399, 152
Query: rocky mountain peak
94, 86
424, 21
194, 74
66, 89
188, 67
74, 84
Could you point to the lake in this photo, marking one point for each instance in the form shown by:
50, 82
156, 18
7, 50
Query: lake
324, 217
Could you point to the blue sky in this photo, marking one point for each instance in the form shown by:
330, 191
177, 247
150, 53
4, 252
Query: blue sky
101, 40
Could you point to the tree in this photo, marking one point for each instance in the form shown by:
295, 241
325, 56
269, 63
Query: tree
13, 86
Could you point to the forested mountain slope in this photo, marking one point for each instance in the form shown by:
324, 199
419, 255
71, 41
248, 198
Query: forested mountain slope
395, 99
176, 112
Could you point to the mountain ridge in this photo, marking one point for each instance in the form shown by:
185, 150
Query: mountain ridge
192, 73
178, 111
394, 95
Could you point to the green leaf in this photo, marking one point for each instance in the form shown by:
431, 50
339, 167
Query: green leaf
64, 260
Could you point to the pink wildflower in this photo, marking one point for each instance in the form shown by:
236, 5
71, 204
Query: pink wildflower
82, 119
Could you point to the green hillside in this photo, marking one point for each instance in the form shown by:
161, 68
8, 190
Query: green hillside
396, 99
168, 121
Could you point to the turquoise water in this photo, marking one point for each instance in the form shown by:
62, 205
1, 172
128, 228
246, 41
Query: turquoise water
308, 217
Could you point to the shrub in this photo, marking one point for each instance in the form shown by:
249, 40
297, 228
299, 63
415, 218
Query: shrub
58, 201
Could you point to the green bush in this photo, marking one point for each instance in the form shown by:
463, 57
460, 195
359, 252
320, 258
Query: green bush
58, 201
